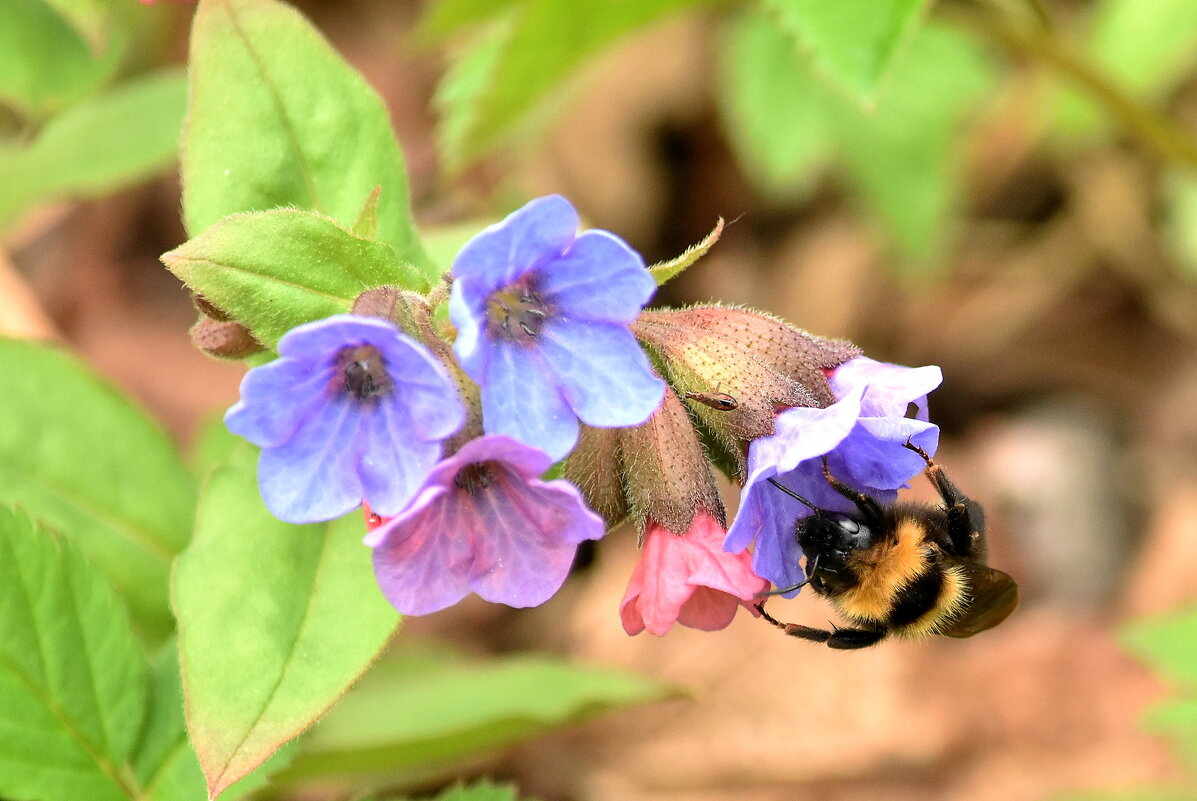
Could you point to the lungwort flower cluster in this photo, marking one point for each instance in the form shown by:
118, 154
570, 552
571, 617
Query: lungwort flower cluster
444, 432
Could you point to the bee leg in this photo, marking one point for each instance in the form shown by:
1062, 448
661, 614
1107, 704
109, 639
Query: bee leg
793, 629
966, 519
851, 639
840, 639
869, 508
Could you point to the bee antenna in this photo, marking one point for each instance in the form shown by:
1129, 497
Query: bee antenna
794, 495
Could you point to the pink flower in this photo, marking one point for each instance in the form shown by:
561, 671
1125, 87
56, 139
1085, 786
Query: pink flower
688, 579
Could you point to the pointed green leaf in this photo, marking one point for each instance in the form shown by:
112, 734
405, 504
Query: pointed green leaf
79, 457
479, 791
366, 225
272, 270
851, 42
549, 40
164, 763
99, 145
665, 270
72, 675
773, 106
275, 622
277, 118
418, 712
905, 156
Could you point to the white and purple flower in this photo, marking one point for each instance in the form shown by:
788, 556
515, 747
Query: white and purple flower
862, 435
483, 522
352, 410
542, 316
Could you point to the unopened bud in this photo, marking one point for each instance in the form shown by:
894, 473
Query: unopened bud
656, 470
224, 339
737, 367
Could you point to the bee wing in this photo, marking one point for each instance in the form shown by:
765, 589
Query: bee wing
994, 598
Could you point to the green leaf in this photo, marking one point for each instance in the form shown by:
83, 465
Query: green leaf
774, 108
101, 144
418, 712
854, 43
277, 118
164, 763
275, 622
547, 41
479, 791
663, 271
905, 156
1168, 645
45, 62
72, 676
1180, 220
272, 270
79, 457
446, 17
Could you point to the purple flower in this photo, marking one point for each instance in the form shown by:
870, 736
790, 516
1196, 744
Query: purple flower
483, 522
542, 316
862, 435
352, 410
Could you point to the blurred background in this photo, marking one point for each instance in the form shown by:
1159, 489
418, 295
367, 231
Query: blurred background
1004, 189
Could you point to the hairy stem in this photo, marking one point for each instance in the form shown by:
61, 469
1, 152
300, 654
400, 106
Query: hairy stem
1153, 129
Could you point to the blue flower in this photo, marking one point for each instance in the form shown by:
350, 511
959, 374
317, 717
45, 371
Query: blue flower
352, 410
483, 522
862, 435
542, 316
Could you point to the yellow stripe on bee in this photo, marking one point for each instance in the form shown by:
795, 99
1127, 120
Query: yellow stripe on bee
883, 570
953, 598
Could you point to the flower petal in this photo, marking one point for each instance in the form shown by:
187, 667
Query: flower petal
521, 401
528, 238
313, 475
600, 278
603, 373
261, 420
422, 559
890, 387
392, 464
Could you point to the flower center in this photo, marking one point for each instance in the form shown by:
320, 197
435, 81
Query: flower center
516, 313
365, 376
474, 478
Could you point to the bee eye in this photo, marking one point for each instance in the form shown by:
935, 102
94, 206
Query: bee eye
854, 533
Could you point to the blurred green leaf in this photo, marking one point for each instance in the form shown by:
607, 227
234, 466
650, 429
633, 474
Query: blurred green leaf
1180, 220
479, 791
1145, 46
275, 622
516, 69
663, 271
80, 458
773, 106
72, 675
854, 43
418, 712
277, 118
902, 156
905, 157
444, 241
99, 145
46, 62
272, 270
460, 92
446, 17
1168, 645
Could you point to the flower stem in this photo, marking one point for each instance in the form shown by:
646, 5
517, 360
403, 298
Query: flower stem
1153, 129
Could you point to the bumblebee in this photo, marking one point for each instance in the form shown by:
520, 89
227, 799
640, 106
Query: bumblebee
907, 569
